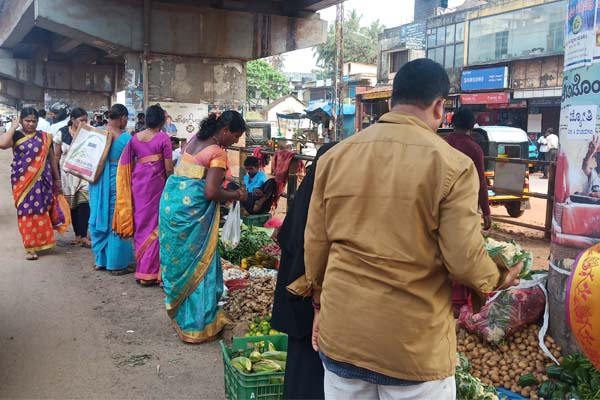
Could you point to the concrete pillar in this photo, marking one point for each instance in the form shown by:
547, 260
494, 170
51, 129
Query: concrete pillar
191, 87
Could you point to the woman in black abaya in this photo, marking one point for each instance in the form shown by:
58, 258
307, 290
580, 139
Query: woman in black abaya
294, 314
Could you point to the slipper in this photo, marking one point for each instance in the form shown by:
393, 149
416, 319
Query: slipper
75, 243
120, 272
31, 257
86, 243
97, 268
145, 283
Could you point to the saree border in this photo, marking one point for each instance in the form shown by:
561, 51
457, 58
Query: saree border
200, 270
41, 248
210, 332
25, 138
149, 240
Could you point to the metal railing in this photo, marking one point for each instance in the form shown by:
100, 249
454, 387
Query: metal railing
292, 184
548, 196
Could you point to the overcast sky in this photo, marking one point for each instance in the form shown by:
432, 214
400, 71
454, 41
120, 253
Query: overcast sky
389, 12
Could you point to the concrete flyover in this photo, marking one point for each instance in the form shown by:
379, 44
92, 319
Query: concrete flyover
191, 51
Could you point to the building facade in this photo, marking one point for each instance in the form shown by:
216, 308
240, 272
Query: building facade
513, 63
427, 8
504, 60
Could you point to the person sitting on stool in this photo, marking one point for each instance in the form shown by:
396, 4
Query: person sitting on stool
261, 189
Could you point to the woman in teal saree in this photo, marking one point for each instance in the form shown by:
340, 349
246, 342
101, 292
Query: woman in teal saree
111, 252
189, 230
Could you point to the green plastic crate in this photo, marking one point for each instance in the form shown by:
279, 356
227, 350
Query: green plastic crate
256, 220
262, 386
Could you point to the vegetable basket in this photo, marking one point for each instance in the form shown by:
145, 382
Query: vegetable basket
259, 386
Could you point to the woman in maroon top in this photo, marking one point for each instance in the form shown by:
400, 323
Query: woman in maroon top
464, 121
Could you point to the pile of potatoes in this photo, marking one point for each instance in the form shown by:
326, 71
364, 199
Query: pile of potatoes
503, 365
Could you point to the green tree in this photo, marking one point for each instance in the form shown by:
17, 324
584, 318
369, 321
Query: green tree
360, 43
264, 81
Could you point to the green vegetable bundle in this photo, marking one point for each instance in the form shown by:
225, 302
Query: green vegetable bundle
251, 240
510, 254
469, 387
576, 378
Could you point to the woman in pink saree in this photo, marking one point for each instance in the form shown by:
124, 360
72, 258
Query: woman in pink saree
145, 165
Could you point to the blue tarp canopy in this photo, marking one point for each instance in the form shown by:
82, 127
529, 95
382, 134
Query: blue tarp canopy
326, 107
321, 112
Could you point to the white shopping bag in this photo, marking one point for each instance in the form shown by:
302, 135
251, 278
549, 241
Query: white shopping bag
230, 236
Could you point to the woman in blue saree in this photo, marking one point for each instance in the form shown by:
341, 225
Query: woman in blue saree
111, 252
189, 229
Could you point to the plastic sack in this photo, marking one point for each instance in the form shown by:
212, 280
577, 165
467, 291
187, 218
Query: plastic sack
505, 314
60, 214
232, 230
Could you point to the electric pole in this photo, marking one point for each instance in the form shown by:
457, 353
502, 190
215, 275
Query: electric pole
338, 102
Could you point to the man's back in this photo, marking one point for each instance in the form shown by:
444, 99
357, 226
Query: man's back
394, 210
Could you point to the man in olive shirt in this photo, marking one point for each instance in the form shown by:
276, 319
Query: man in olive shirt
392, 217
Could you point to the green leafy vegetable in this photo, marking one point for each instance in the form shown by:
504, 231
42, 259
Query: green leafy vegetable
251, 240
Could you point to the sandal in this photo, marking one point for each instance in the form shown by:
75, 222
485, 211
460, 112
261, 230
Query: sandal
120, 272
86, 243
97, 268
31, 256
76, 242
146, 283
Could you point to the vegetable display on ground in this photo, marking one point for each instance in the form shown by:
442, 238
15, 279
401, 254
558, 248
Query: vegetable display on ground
516, 361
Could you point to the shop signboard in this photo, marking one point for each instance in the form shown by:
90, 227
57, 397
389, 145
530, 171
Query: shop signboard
484, 98
545, 102
484, 79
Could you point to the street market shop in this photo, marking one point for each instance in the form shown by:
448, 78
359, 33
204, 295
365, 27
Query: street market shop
503, 348
496, 109
372, 104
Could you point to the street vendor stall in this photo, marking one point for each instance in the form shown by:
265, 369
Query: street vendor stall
503, 348
322, 113
371, 105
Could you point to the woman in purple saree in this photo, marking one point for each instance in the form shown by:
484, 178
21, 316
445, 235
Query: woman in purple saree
145, 165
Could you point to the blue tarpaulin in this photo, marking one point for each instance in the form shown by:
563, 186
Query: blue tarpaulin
326, 107
320, 110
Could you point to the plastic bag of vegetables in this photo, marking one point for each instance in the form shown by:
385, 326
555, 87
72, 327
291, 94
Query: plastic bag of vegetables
510, 254
506, 314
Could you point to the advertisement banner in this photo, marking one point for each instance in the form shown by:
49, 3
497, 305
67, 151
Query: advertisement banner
576, 224
484, 98
581, 35
186, 117
581, 124
597, 46
484, 79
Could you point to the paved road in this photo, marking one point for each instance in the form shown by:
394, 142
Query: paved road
64, 328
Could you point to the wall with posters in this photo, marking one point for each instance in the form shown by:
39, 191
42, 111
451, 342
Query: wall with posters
186, 117
576, 217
